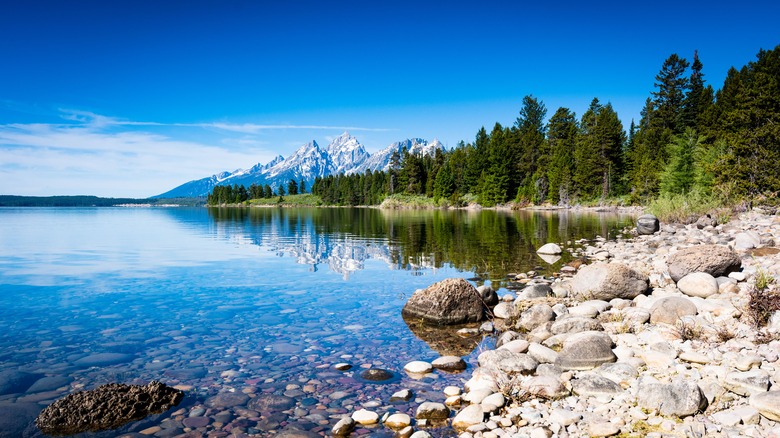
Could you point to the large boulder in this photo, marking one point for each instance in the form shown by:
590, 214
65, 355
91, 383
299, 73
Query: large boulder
669, 310
106, 407
607, 281
647, 224
450, 301
715, 260
768, 404
682, 398
507, 361
586, 350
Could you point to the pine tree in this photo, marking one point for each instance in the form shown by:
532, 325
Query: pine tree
302, 186
528, 178
292, 187
672, 86
562, 138
679, 174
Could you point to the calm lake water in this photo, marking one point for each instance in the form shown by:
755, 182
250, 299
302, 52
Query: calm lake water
245, 301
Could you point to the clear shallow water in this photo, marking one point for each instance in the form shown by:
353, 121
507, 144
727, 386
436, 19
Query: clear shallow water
242, 300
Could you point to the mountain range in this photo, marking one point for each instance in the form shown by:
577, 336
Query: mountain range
344, 154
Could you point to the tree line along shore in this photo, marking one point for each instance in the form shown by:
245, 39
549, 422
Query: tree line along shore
694, 148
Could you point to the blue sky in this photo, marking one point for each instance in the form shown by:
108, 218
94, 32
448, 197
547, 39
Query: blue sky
132, 98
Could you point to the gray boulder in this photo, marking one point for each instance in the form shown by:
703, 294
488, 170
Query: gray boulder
706, 221
747, 240
575, 324
593, 385
682, 399
715, 260
507, 361
669, 310
535, 291
607, 281
647, 224
489, 296
698, 284
450, 301
585, 350
534, 316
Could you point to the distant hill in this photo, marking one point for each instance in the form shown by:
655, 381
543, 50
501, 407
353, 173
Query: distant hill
90, 201
344, 154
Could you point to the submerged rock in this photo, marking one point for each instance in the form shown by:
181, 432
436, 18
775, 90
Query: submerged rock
106, 407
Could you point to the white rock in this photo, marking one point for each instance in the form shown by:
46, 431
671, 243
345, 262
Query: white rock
398, 421
450, 391
549, 248
564, 417
698, 284
468, 417
418, 367
365, 417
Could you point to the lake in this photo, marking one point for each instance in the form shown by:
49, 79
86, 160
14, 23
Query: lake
248, 302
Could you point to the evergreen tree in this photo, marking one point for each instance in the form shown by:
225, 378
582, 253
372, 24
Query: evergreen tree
268, 192
444, 186
394, 170
494, 181
528, 176
679, 174
699, 97
477, 162
292, 187
280, 191
302, 186
562, 138
672, 86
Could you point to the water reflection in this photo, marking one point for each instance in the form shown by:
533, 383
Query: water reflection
491, 243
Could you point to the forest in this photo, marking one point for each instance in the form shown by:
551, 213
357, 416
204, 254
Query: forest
690, 140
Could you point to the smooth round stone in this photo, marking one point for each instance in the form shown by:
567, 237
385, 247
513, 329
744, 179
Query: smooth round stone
398, 421
338, 395
468, 417
195, 422
449, 363
432, 411
493, 402
418, 367
421, 434
450, 391
603, 429
271, 402
402, 395
365, 417
344, 427
376, 374
698, 284
549, 249
342, 366
227, 399
694, 357
516, 346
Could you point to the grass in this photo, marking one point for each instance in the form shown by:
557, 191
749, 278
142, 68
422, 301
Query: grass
687, 208
764, 300
402, 201
303, 200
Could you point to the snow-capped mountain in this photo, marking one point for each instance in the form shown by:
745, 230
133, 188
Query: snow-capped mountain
380, 160
344, 154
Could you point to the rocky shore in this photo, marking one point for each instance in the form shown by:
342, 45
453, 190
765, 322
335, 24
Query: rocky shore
675, 332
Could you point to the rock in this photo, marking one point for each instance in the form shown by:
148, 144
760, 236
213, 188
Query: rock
534, 291
376, 374
227, 400
365, 417
548, 387
669, 310
767, 404
747, 382
342, 366
449, 363
402, 395
603, 428
106, 407
450, 301
418, 367
564, 417
575, 324
647, 224
706, 221
489, 296
432, 411
534, 316
493, 402
585, 350
476, 396
344, 427
468, 417
398, 421
715, 260
103, 359
16, 382
698, 284
682, 399
593, 385
503, 310
606, 281
747, 240
507, 362
542, 354
450, 391
621, 373
549, 249
516, 346
421, 434
49, 384
271, 402
196, 422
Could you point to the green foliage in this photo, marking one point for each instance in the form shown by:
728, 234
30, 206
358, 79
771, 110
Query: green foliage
562, 139
684, 208
679, 174
300, 200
